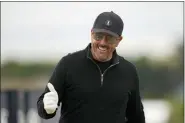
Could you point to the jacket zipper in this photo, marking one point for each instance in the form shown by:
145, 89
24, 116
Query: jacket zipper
102, 74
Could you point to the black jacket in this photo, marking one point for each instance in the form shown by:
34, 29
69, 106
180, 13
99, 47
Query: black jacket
89, 96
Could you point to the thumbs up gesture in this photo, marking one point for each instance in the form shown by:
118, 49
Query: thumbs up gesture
50, 99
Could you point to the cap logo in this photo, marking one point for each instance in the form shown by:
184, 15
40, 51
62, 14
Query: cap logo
108, 23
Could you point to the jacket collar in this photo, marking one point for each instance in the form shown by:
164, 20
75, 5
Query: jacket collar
89, 54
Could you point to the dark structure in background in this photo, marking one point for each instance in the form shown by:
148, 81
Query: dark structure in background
20, 107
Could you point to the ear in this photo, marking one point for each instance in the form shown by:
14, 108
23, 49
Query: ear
118, 40
91, 32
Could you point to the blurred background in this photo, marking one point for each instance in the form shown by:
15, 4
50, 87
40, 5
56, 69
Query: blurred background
36, 35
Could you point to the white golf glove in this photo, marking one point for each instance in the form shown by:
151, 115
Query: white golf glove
50, 99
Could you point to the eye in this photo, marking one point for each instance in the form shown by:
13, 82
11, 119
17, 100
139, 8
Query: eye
111, 39
98, 36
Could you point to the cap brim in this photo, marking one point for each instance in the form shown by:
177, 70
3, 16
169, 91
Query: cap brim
106, 31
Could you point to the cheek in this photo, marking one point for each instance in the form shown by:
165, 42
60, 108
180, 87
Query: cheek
95, 44
112, 47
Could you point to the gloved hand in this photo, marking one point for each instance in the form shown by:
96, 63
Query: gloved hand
50, 99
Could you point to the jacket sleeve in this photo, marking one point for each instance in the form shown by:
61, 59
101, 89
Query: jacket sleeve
57, 79
135, 109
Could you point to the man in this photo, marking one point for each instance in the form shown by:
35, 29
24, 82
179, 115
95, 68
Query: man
95, 85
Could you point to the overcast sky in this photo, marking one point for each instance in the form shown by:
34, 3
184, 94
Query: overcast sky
46, 30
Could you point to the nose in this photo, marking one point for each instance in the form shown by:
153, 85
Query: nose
104, 40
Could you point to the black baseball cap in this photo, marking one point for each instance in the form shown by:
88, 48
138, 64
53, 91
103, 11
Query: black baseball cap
109, 22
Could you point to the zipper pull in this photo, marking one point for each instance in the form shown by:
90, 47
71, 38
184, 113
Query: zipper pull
101, 79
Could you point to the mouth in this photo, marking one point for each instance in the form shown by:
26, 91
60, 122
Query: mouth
102, 48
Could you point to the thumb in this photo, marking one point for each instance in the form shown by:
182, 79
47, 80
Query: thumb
51, 87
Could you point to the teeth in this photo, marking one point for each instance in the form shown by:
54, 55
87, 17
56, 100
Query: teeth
102, 48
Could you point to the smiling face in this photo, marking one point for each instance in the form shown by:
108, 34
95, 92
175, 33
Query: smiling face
103, 45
